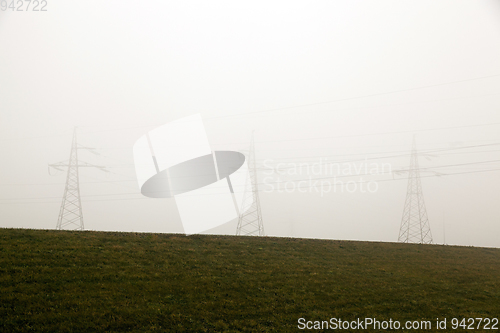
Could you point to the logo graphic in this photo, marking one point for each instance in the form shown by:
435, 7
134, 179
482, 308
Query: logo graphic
175, 161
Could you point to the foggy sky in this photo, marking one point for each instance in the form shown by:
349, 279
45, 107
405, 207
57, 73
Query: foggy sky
337, 80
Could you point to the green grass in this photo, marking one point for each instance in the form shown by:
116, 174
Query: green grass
58, 281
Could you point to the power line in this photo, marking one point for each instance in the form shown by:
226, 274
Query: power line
404, 153
301, 179
302, 187
310, 157
338, 100
332, 162
368, 134
425, 152
263, 112
287, 108
351, 98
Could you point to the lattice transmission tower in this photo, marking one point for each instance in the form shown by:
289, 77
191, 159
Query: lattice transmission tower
250, 221
71, 214
415, 227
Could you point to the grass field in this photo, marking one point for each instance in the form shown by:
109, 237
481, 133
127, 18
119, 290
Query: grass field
58, 281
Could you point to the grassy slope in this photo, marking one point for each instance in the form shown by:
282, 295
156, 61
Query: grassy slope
94, 281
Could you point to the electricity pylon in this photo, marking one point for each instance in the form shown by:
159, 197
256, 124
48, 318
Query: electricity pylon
415, 227
70, 214
250, 221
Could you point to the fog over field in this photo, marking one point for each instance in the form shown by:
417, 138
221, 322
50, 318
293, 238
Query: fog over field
334, 92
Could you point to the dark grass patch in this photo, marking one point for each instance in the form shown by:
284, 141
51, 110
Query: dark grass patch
59, 281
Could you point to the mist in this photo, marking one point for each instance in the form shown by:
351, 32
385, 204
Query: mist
343, 85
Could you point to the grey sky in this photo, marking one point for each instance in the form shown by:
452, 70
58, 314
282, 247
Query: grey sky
342, 80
